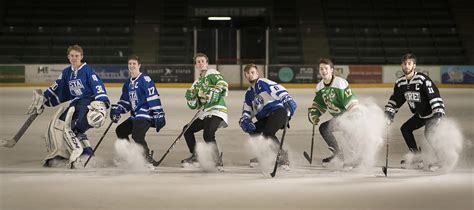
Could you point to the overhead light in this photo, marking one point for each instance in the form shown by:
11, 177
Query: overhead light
219, 18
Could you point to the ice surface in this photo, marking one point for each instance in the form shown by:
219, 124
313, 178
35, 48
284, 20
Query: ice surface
25, 184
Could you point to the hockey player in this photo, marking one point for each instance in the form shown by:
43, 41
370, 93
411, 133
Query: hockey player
141, 98
78, 84
333, 94
268, 102
206, 93
425, 102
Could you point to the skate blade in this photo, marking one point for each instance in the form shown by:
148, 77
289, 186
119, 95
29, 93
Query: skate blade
285, 167
434, 168
190, 165
7, 143
253, 165
348, 168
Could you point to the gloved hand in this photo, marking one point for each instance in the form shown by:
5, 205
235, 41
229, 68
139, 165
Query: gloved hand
437, 116
312, 116
247, 125
190, 94
37, 104
115, 113
289, 104
160, 121
213, 95
389, 115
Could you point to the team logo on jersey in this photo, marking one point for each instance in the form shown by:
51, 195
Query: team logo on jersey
412, 96
75, 87
133, 99
258, 102
329, 97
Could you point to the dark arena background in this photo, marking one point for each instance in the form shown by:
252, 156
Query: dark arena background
365, 39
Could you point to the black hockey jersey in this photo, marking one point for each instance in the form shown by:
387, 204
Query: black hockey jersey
420, 93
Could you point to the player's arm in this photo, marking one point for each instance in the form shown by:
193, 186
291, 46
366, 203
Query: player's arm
317, 109
192, 99
245, 121
98, 89
434, 97
218, 87
154, 103
56, 94
279, 92
394, 103
348, 99
123, 105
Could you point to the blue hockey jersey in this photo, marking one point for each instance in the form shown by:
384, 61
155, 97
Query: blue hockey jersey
262, 98
140, 97
75, 84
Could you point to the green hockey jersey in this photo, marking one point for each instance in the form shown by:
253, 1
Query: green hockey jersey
210, 83
337, 98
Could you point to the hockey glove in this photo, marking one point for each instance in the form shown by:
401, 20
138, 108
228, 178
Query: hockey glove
213, 95
160, 121
389, 115
37, 105
313, 117
437, 117
115, 113
190, 94
289, 104
247, 125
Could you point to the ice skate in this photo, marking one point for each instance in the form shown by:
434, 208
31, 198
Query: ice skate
349, 166
331, 158
149, 158
220, 164
253, 163
434, 166
283, 160
190, 162
413, 160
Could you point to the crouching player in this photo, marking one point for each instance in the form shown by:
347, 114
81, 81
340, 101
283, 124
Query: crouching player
139, 97
269, 103
65, 136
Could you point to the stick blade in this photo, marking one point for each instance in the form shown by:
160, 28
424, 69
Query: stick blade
305, 154
7, 143
384, 170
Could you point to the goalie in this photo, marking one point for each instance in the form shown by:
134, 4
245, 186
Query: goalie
65, 136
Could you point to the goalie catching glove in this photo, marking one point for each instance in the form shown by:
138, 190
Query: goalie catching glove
96, 114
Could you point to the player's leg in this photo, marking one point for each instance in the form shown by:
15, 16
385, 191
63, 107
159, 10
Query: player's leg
61, 141
413, 158
124, 129
196, 126
210, 126
140, 127
276, 121
326, 129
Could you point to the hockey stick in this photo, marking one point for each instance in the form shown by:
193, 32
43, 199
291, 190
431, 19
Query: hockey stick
177, 138
281, 145
305, 154
98, 143
384, 168
11, 142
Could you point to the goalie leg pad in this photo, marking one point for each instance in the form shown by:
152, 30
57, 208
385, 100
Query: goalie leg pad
60, 139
